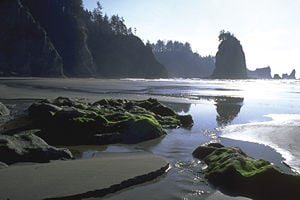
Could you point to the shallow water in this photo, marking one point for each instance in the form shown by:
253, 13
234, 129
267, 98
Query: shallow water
222, 112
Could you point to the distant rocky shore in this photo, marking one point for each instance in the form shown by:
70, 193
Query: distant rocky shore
63, 121
265, 73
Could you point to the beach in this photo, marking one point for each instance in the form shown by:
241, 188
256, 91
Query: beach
223, 111
81, 178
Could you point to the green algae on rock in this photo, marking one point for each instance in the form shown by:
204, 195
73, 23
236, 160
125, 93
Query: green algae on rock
235, 173
72, 122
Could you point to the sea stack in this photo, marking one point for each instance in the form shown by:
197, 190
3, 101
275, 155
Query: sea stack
230, 58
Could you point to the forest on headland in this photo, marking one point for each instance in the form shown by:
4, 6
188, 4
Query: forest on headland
181, 61
59, 38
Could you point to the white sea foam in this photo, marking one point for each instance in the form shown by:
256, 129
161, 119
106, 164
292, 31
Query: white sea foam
281, 133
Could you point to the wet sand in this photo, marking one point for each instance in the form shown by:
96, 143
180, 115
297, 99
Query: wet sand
85, 89
179, 142
79, 179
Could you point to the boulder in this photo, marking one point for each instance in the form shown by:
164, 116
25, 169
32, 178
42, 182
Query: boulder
237, 174
27, 147
141, 128
70, 122
202, 151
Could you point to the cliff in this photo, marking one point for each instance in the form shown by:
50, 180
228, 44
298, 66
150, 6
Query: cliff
230, 58
61, 20
58, 37
25, 48
260, 73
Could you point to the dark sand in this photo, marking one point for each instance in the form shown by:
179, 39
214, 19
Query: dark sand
109, 172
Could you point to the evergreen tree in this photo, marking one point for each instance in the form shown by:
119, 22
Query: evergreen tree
181, 61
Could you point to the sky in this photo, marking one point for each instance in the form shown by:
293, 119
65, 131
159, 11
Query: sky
269, 30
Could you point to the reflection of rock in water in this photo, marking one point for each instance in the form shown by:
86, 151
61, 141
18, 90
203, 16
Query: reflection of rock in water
227, 108
179, 107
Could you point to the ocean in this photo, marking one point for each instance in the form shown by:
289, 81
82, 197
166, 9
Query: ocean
262, 117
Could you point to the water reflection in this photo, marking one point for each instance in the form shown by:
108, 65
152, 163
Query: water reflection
227, 108
179, 107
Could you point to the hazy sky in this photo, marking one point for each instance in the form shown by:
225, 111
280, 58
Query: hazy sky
269, 30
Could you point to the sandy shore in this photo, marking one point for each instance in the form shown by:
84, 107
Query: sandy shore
80, 88
106, 173
28, 89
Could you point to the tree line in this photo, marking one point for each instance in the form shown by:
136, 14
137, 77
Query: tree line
181, 61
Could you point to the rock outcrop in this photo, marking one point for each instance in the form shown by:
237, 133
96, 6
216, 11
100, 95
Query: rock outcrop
69, 122
27, 147
237, 174
61, 20
292, 75
260, 73
230, 58
276, 76
25, 48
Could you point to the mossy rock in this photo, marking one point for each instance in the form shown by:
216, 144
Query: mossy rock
235, 173
141, 128
154, 106
202, 151
43, 111
71, 122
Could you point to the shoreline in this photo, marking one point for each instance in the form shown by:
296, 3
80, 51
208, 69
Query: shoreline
16, 94
41, 88
272, 136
